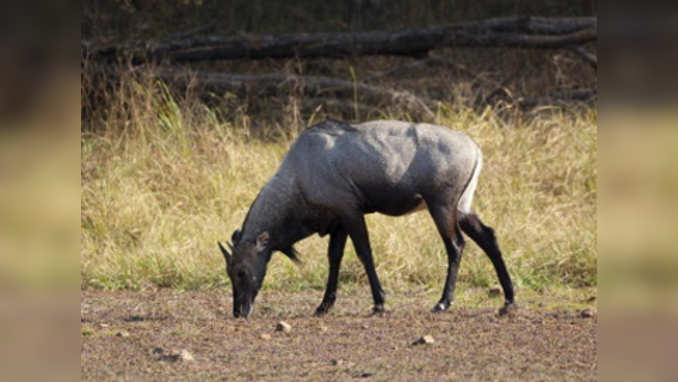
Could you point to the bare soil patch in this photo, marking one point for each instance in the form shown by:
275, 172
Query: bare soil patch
166, 334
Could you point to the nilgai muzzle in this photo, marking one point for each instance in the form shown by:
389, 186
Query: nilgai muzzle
334, 174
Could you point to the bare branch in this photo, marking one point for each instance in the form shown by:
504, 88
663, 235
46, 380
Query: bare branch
587, 56
272, 83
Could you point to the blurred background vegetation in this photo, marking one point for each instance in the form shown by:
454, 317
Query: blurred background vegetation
153, 18
475, 77
170, 167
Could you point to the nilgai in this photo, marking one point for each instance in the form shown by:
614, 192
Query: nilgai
334, 174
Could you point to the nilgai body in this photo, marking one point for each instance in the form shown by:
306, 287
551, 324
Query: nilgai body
334, 174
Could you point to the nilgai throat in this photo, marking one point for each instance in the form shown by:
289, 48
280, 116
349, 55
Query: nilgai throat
334, 174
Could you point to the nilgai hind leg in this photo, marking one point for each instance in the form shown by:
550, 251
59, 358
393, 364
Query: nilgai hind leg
445, 218
483, 235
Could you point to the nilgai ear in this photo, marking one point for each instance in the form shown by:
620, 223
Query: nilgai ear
235, 238
262, 241
227, 256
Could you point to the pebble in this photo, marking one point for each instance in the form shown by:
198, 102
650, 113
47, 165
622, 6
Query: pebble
265, 336
283, 327
587, 312
185, 355
428, 339
172, 356
122, 333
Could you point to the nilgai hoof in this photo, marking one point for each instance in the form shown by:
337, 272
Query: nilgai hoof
323, 308
378, 310
440, 307
509, 307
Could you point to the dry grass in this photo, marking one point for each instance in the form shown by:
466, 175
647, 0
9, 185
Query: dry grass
163, 180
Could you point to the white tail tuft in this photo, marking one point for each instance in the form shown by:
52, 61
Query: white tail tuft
466, 199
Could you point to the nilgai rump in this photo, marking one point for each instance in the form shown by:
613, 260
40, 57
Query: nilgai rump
336, 172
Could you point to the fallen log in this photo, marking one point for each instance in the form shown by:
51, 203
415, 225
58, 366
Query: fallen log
518, 32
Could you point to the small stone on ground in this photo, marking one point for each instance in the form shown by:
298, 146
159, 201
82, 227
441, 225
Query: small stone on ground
587, 312
122, 333
494, 291
428, 339
185, 355
283, 327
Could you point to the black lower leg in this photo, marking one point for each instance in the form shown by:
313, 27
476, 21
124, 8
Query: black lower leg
446, 222
485, 238
454, 245
335, 253
358, 231
375, 285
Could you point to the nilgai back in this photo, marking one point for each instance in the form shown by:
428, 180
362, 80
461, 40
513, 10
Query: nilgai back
336, 172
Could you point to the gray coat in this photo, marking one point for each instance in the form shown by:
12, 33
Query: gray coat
390, 167
334, 173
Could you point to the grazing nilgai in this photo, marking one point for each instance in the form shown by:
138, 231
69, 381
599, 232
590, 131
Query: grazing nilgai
334, 174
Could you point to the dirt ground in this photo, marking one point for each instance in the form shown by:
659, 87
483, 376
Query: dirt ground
169, 335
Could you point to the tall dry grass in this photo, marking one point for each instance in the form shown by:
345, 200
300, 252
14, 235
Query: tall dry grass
164, 177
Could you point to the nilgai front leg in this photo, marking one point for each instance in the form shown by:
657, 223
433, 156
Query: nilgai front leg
357, 230
335, 252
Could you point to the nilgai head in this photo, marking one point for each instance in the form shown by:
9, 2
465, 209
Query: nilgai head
246, 267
